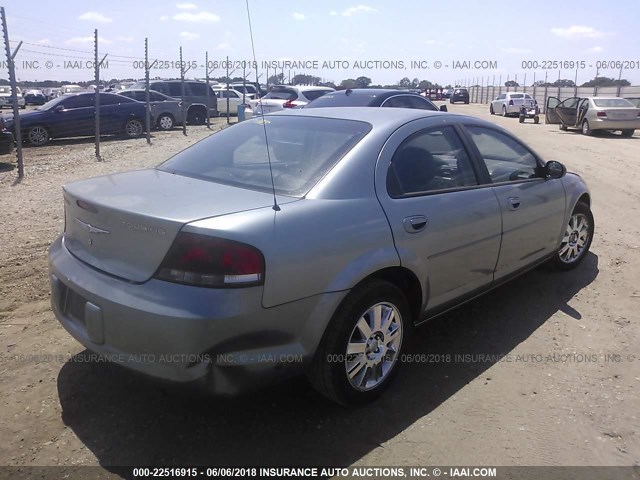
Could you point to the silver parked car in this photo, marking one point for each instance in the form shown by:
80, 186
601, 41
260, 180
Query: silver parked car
237, 268
166, 110
509, 103
594, 113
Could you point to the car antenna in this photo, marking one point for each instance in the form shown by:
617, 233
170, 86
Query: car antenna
275, 207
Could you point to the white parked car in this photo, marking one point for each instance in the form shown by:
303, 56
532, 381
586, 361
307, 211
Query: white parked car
509, 103
66, 89
285, 96
250, 90
5, 97
234, 96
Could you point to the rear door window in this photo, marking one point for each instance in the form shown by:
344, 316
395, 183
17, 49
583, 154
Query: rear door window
430, 161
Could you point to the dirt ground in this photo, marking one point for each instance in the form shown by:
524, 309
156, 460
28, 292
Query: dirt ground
551, 375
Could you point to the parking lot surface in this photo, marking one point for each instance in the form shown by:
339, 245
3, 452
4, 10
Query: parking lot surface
542, 371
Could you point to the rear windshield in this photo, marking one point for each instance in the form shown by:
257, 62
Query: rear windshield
460, 90
340, 99
281, 94
635, 101
612, 102
302, 151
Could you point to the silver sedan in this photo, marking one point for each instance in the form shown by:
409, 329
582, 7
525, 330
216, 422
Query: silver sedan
594, 113
236, 265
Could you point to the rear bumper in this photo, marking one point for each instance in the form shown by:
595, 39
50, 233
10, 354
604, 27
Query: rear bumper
608, 124
223, 338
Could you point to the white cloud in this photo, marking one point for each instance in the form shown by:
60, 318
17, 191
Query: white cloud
595, 50
333, 13
224, 46
516, 50
43, 41
200, 17
189, 35
95, 17
125, 39
357, 9
431, 42
88, 40
578, 31
186, 6
164, 18
298, 16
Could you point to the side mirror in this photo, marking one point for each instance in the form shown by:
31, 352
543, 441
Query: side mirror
443, 108
553, 169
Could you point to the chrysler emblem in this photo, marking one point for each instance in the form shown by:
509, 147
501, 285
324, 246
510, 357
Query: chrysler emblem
91, 228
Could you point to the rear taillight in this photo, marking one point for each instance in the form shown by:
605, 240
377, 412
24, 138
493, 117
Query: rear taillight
510, 102
205, 261
288, 104
601, 114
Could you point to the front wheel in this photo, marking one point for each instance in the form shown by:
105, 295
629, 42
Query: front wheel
38, 135
133, 128
491, 110
360, 352
577, 238
504, 111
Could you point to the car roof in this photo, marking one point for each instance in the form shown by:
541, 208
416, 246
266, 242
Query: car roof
373, 116
367, 96
302, 88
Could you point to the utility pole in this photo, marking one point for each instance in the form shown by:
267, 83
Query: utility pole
97, 91
183, 107
146, 89
206, 79
14, 92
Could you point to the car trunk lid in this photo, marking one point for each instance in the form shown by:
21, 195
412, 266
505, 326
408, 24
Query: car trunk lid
621, 113
124, 224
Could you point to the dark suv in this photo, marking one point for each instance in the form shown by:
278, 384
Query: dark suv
459, 95
195, 95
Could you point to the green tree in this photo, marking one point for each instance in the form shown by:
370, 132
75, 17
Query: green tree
363, 82
606, 82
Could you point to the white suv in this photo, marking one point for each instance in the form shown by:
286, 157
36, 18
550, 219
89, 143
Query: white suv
285, 96
509, 103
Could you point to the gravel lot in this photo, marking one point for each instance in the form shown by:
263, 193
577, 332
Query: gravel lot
556, 398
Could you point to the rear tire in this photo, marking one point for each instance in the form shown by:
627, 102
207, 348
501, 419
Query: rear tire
491, 110
133, 128
577, 238
165, 121
360, 352
536, 119
504, 111
197, 116
627, 133
586, 129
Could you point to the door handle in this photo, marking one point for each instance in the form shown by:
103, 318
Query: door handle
514, 203
414, 223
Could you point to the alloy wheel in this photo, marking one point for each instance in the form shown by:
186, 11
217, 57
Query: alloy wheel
373, 346
576, 238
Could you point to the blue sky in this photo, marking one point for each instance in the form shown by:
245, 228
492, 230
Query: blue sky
362, 30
